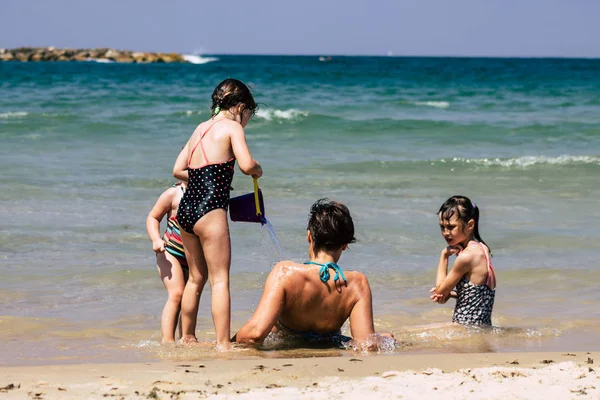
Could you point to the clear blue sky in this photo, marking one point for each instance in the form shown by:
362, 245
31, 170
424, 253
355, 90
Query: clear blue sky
563, 28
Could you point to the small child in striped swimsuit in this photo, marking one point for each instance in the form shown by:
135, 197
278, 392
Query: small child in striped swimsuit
170, 256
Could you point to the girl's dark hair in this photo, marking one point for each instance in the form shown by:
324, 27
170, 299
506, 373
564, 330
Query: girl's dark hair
330, 225
230, 93
465, 210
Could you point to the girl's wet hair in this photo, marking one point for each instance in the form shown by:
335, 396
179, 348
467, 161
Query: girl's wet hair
466, 210
230, 93
330, 225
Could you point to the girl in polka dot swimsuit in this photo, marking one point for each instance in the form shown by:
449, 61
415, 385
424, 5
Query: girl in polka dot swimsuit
202, 212
472, 273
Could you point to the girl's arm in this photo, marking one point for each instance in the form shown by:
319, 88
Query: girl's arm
180, 169
160, 209
445, 281
247, 164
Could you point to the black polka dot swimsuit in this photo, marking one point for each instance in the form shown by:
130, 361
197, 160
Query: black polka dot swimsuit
207, 189
474, 303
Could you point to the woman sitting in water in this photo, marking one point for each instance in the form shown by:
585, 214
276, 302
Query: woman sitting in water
315, 298
472, 273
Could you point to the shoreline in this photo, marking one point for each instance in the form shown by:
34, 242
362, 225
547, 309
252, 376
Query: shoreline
492, 375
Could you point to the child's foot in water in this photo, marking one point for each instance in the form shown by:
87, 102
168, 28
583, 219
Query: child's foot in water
188, 340
221, 347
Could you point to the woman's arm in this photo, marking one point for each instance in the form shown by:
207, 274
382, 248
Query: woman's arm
160, 209
247, 164
361, 316
268, 310
180, 169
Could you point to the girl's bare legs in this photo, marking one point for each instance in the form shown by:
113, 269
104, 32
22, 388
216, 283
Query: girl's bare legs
213, 231
186, 275
194, 285
173, 278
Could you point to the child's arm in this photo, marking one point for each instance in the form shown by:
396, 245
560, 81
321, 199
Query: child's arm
445, 281
268, 310
247, 164
180, 169
160, 209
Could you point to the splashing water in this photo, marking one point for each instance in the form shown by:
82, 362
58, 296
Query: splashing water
271, 238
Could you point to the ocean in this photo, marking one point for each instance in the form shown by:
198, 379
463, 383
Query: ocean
88, 147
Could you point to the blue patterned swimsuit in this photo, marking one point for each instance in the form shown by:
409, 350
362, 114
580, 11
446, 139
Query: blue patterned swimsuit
474, 303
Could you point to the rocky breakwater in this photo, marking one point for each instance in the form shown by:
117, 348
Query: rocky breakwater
100, 55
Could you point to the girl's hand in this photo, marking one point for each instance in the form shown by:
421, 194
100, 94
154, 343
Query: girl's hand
452, 250
438, 297
158, 246
258, 171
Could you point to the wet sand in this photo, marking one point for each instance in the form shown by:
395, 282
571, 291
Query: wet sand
473, 375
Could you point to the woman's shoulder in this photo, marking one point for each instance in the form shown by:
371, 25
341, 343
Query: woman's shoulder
286, 266
357, 277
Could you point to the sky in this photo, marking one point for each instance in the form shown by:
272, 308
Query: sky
503, 28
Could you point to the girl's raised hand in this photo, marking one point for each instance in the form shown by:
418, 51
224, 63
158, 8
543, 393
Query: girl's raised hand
452, 250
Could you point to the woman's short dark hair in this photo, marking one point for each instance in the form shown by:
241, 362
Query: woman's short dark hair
330, 225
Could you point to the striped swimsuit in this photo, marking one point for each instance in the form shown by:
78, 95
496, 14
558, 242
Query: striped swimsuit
172, 238
173, 242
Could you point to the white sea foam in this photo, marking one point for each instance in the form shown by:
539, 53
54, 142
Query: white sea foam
16, 114
195, 59
527, 161
268, 114
24, 114
147, 343
274, 114
100, 60
436, 104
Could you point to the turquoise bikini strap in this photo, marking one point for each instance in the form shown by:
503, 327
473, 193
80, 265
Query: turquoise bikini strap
324, 271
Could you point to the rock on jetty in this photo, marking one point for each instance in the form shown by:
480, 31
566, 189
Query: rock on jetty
100, 55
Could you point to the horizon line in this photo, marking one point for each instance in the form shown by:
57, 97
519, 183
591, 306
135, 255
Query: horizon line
392, 55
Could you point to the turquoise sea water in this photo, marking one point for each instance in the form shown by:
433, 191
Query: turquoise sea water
86, 149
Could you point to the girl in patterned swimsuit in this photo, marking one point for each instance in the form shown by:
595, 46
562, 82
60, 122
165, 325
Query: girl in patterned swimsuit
170, 258
206, 162
472, 273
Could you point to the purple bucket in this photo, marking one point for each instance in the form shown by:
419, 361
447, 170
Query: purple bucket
243, 208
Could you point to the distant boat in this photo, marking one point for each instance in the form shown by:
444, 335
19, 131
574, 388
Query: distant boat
325, 59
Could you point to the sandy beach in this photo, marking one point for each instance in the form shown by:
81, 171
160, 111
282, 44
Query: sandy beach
486, 375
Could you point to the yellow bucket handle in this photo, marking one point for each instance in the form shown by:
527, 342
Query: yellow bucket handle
256, 203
